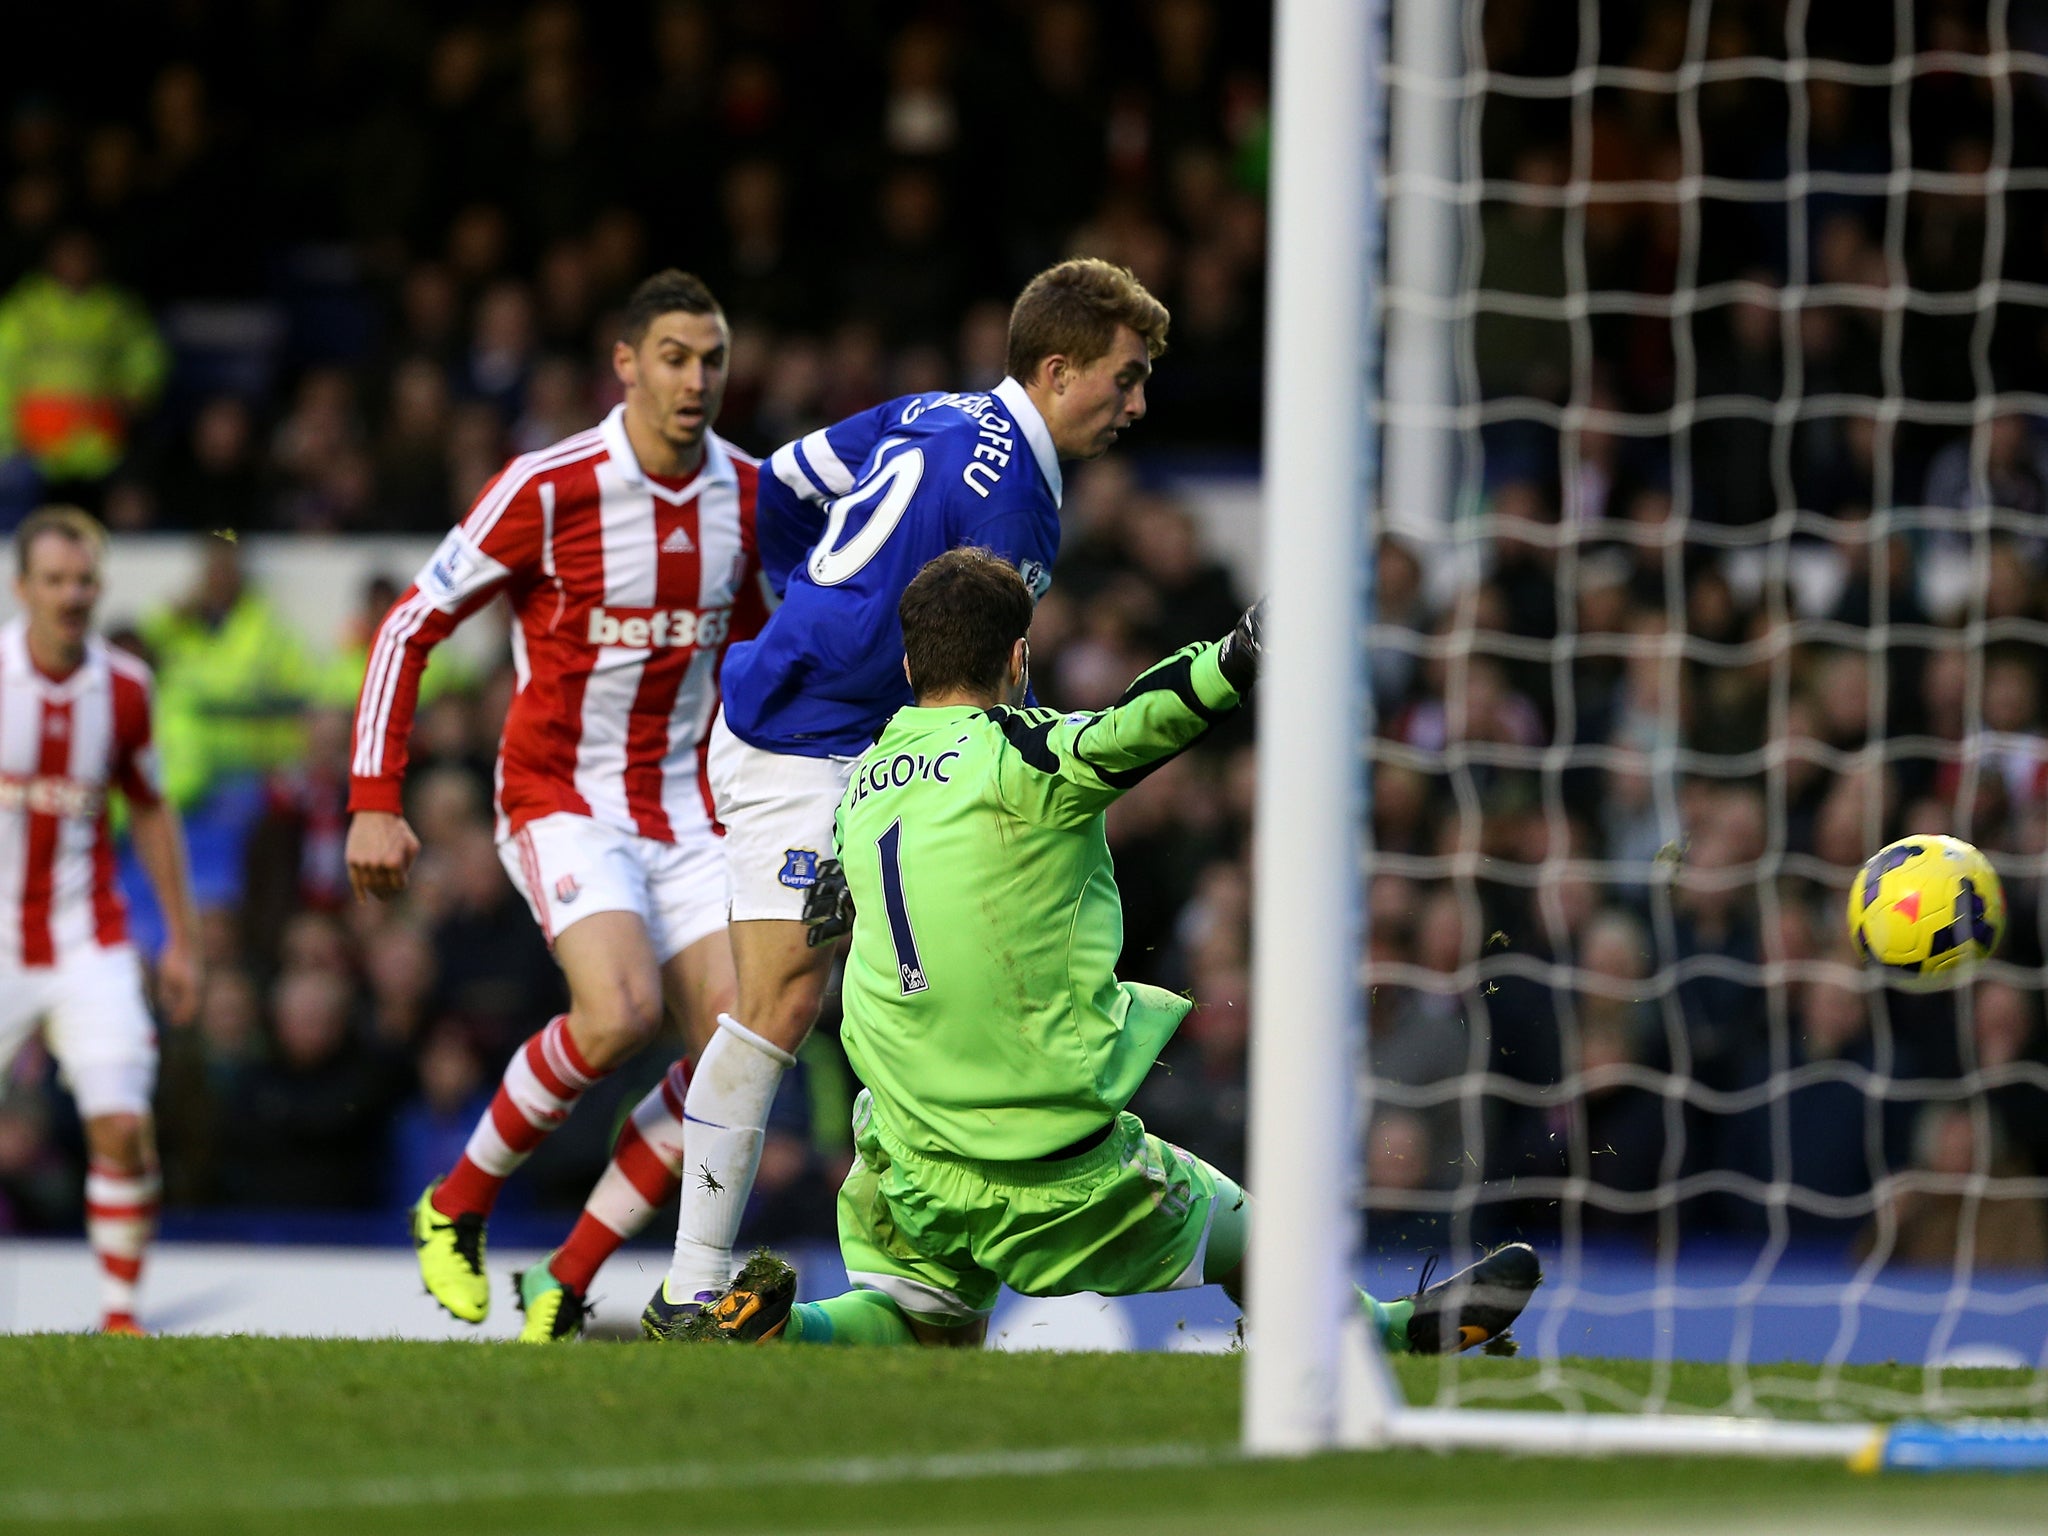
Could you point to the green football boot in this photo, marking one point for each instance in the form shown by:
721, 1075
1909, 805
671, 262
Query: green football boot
554, 1313
451, 1253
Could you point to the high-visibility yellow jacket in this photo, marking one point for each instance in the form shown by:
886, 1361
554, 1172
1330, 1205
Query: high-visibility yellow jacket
75, 367
231, 699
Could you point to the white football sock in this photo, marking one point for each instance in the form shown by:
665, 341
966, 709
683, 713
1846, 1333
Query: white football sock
724, 1117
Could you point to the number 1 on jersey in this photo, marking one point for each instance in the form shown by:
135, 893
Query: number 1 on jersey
909, 968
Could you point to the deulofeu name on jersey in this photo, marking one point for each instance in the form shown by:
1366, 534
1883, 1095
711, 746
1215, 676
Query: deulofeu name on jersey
993, 428
880, 773
46, 795
659, 628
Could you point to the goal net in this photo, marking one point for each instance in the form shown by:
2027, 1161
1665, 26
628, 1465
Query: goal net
1707, 455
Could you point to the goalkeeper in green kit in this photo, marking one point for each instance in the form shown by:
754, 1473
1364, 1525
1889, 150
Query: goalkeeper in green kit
983, 1013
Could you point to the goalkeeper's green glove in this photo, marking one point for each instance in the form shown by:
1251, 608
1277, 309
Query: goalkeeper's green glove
828, 906
1243, 647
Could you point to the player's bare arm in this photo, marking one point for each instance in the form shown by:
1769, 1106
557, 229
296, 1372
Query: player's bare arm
380, 853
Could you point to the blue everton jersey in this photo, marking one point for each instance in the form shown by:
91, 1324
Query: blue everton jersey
849, 516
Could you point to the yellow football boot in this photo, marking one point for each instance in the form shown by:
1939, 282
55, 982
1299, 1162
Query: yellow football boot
451, 1252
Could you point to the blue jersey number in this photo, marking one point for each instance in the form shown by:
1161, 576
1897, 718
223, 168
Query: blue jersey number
909, 968
888, 489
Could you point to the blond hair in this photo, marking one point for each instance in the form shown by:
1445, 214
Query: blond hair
67, 522
1073, 311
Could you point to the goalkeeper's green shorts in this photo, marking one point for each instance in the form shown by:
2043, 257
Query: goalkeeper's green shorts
939, 1236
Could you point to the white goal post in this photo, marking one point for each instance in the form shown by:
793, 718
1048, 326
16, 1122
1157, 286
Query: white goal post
1314, 1377
1307, 909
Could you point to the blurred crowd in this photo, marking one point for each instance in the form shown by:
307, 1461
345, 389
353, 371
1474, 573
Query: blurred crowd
453, 205
325, 267
1688, 667
1626, 755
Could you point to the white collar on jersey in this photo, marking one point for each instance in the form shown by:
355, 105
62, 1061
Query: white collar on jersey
717, 468
14, 661
1036, 433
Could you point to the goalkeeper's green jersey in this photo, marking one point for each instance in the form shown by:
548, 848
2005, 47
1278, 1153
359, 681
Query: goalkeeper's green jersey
982, 1007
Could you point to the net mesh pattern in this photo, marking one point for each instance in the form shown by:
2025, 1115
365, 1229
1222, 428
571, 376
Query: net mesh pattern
1740, 571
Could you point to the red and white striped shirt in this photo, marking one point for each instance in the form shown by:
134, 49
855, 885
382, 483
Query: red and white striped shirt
63, 742
624, 593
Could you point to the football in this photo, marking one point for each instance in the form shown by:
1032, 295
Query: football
1927, 904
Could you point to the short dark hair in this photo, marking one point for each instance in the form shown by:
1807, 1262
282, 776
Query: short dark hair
1072, 310
961, 615
65, 522
669, 290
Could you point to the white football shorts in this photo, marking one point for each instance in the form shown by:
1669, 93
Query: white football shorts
777, 811
568, 866
95, 1022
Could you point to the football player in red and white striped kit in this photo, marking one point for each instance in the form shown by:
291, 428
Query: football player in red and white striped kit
74, 723
628, 555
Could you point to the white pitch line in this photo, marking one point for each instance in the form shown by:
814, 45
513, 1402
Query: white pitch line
44, 1506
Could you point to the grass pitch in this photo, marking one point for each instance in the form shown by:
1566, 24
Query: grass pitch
311, 1437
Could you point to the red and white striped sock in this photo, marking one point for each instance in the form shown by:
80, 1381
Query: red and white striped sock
641, 1178
120, 1219
542, 1083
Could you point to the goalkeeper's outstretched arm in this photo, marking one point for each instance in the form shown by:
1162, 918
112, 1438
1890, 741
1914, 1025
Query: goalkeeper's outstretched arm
1063, 769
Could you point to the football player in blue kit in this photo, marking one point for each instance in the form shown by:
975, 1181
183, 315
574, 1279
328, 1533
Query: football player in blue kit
850, 514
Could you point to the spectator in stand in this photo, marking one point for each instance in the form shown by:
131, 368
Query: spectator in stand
1525, 255
1401, 1174
2010, 747
1714, 915
429, 1132
2006, 1024
493, 965
2015, 481
1192, 593
1837, 1144
1417, 1026
315, 452
1929, 1216
211, 481
38, 1184
233, 679
557, 404
79, 360
399, 965
201, 1078
412, 452
308, 1128
909, 282
1615, 1032
1398, 603
293, 862
501, 350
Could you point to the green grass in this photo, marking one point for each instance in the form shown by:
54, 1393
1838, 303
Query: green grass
310, 1437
